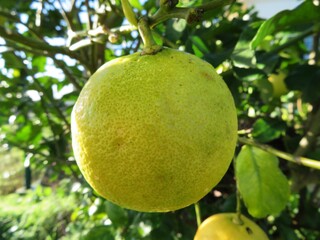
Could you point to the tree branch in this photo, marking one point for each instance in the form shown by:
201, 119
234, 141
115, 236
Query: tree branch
32, 43
191, 15
307, 162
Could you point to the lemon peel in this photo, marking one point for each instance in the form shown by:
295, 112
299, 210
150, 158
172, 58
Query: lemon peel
154, 133
223, 226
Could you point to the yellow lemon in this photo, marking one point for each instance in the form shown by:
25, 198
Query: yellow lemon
224, 227
154, 133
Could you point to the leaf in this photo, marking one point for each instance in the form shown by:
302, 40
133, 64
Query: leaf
99, 232
116, 214
39, 63
262, 185
129, 13
265, 130
198, 46
305, 13
136, 4
249, 74
23, 134
243, 56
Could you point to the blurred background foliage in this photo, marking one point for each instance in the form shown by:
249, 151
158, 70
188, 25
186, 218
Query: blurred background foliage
49, 49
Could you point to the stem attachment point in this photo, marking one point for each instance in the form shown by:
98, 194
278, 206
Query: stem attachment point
150, 46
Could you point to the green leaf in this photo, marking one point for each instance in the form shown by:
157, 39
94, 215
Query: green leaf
99, 232
23, 134
262, 185
265, 130
249, 74
129, 13
198, 46
39, 63
116, 214
305, 13
243, 56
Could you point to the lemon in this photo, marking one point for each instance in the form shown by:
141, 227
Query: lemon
223, 226
278, 84
154, 133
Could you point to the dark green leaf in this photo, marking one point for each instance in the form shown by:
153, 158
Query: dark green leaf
199, 46
249, 74
116, 214
265, 130
243, 56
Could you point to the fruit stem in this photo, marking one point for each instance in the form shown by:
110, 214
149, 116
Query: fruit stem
198, 213
150, 46
237, 219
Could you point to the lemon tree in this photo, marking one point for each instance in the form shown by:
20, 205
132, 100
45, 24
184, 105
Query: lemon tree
49, 50
154, 132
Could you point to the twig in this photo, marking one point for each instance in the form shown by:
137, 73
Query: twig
192, 14
66, 17
17, 20
88, 15
307, 162
32, 43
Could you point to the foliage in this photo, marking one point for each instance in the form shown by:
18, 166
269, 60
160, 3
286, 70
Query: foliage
50, 48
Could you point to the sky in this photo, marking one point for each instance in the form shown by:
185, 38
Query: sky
268, 8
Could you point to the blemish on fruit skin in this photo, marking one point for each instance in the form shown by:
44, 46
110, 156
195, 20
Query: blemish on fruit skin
206, 75
249, 231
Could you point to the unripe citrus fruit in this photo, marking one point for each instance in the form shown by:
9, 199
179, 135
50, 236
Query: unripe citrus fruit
155, 132
278, 84
223, 226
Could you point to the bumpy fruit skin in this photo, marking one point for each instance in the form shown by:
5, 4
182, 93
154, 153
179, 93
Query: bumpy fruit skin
223, 227
154, 133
